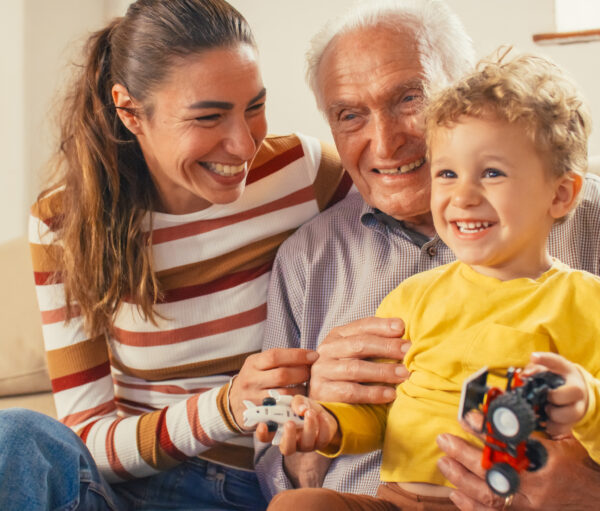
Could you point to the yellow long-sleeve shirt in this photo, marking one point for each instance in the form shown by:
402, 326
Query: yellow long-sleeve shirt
459, 321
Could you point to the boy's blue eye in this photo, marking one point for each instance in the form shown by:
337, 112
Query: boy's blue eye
446, 174
491, 172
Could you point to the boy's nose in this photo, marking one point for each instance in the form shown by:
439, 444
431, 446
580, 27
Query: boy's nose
466, 194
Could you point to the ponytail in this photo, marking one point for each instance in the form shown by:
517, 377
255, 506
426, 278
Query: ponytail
107, 194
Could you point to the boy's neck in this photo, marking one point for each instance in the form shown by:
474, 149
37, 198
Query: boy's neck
513, 271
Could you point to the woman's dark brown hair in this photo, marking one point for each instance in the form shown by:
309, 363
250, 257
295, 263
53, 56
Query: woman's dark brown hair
106, 252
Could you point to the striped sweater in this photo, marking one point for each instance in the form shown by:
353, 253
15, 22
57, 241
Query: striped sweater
153, 395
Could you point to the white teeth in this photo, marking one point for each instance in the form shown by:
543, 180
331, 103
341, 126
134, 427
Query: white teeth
470, 227
224, 170
404, 168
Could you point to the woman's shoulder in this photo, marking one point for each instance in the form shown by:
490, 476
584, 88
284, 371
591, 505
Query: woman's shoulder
49, 205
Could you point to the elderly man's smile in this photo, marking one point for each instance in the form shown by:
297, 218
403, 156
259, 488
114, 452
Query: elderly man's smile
402, 169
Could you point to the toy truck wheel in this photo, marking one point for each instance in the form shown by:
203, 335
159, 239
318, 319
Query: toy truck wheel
511, 417
536, 454
269, 401
502, 479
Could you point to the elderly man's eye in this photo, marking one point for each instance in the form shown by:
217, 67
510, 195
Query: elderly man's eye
412, 99
347, 116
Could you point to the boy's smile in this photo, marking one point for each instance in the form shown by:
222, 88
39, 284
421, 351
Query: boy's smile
493, 197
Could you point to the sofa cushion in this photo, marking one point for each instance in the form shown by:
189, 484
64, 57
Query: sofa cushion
22, 360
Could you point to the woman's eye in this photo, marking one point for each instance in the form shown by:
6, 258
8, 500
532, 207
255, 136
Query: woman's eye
212, 117
256, 108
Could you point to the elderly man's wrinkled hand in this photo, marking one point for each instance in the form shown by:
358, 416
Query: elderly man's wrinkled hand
570, 480
346, 362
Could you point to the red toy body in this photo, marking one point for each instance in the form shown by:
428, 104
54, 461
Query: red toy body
510, 416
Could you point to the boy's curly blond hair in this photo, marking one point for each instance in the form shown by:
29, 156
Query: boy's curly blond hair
527, 89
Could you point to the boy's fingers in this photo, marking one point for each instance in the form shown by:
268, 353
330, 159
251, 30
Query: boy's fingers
263, 434
566, 395
287, 445
308, 433
551, 361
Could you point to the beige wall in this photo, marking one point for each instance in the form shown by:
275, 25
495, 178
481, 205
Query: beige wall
283, 29
39, 38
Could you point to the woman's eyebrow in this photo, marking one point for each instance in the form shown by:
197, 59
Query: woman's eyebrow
224, 105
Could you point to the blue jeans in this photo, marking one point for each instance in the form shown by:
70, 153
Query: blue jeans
44, 465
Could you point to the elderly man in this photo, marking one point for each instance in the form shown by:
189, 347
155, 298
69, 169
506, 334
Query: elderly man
371, 72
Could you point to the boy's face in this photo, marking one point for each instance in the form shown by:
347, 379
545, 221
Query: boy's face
493, 200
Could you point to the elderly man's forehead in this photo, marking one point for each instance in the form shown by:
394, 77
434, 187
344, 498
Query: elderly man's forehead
377, 54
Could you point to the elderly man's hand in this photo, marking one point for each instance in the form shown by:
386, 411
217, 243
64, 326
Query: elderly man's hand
344, 363
570, 480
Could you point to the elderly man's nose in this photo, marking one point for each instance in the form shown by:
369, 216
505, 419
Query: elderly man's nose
387, 137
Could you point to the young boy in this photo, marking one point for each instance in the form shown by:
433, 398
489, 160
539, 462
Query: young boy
508, 146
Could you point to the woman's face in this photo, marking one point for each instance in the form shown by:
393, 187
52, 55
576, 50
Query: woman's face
206, 124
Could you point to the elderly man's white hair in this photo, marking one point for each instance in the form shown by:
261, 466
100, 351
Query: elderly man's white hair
446, 51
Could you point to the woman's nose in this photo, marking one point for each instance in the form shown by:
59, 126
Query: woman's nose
240, 141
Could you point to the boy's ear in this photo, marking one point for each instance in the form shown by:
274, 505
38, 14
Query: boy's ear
126, 109
567, 189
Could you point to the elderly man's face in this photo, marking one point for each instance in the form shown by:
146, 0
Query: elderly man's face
371, 89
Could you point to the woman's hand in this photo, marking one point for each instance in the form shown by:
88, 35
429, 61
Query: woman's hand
343, 362
285, 369
570, 481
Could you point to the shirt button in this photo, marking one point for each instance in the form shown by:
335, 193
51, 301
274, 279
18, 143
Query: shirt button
432, 251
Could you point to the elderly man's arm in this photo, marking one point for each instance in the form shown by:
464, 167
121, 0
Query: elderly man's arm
570, 481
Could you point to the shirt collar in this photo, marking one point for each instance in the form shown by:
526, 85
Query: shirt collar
374, 218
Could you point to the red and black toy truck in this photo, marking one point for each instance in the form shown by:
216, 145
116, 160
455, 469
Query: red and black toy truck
509, 417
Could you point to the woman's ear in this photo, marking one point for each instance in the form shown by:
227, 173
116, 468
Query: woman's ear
567, 189
126, 109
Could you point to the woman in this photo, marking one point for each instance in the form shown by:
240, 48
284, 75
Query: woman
151, 257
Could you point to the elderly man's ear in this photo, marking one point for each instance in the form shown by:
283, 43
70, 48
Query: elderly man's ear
126, 109
567, 189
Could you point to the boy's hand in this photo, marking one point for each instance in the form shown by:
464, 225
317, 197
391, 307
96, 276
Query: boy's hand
569, 402
319, 430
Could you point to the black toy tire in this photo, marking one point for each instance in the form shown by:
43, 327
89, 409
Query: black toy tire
269, 401
511, 418
502, 479
536, 454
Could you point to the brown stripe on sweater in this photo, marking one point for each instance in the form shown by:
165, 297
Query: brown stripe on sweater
250, 256
45, 258
274, 145
204, 368
329, 175
148, 444
77, 357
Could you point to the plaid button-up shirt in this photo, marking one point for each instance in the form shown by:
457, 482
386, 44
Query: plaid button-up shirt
338, 268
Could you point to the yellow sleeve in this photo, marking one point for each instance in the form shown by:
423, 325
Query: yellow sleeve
362, 428
587, 430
